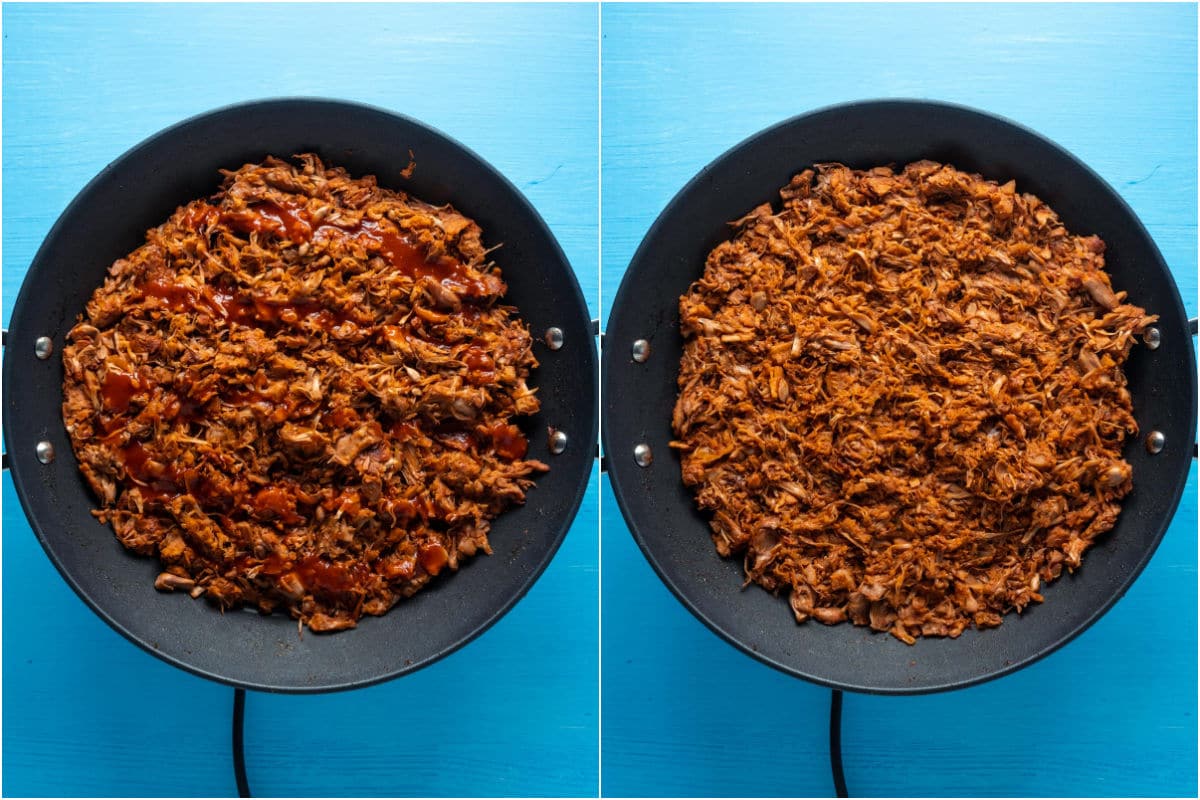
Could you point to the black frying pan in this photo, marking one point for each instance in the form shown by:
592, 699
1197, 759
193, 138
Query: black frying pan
109, 218
674, 536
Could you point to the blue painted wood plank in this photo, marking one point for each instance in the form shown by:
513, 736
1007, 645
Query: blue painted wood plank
87, 713
669, 711
1113, 713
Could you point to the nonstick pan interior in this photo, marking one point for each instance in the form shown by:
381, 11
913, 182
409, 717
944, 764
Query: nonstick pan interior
109, 218
674, 536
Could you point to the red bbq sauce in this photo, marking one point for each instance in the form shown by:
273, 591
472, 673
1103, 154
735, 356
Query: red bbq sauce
508, 441
176, 297
433, 557
162, 486
118, 388
171, 482
319, 574
294, 222
241, 309
481, 368
268, 217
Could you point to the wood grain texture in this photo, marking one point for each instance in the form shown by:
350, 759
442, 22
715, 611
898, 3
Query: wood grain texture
87, 713
1113, 713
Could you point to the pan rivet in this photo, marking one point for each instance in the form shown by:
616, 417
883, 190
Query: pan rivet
45, 452
1155, 442
558, 441
1152, 337
43, 347
554, 338
642, 455
641, 350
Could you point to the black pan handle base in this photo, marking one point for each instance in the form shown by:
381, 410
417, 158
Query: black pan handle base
835, 744
239, 752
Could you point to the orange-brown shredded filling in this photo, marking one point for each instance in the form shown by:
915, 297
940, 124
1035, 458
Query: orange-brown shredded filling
300, 394
901, 397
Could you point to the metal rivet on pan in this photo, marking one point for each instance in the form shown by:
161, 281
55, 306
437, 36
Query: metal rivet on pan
1152, 337
554, 338
641, 350
43, 347
558, 441
1155, 442
45, 452
642, 455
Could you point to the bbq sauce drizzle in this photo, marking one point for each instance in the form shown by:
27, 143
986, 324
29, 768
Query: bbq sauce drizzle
161, 483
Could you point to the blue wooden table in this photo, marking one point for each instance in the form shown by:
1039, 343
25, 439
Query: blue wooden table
87, 713
1114, 712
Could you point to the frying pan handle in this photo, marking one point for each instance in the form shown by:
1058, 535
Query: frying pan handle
599, 334
42, 348
4, 343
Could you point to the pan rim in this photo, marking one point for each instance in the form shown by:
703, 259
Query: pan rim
622, 474
23, 482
